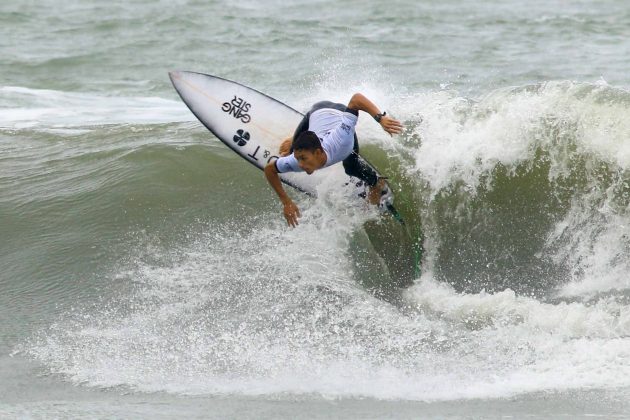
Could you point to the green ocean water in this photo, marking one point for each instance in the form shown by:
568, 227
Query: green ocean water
145, 270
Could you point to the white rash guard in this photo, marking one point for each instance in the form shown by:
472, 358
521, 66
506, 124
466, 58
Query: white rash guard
335, 130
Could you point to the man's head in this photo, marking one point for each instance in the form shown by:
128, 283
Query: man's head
308, 151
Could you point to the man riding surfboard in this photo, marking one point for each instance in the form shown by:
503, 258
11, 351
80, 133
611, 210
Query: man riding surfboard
324, 137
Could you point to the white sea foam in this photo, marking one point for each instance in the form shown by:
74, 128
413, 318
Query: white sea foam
504, 310
41, 109
463, 139
268, 311
594, 239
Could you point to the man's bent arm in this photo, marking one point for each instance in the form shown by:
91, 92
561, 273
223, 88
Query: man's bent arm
291, 211
359, 102
271, 173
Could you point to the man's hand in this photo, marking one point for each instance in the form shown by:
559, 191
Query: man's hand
360, 103
391, 125
291, 213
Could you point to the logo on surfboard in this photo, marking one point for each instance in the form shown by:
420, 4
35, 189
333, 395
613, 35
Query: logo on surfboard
238, 108
241, 137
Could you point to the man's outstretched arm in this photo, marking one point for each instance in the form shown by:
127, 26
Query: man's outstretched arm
291, 211
359, 102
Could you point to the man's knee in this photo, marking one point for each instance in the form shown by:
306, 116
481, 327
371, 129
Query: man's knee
285, 147
357, 168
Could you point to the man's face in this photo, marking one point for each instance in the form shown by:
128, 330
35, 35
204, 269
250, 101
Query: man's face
308, 160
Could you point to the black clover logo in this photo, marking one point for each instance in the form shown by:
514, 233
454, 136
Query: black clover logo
241, 137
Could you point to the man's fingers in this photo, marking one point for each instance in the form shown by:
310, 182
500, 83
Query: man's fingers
295, 215
392, 126
291, 214
394, 130
397, 127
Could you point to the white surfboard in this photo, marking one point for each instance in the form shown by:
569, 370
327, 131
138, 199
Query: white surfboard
251, 123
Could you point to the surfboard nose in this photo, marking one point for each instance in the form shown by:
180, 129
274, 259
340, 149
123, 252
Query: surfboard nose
175, 74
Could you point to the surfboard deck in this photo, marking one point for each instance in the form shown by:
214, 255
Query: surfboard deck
254, 125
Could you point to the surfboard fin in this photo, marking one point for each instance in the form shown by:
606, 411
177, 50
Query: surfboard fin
395, 213
416, 240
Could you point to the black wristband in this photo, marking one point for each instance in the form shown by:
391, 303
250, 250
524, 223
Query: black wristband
378, 117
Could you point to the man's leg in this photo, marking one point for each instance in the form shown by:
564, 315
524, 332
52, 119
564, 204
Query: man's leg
285, 147
358, 168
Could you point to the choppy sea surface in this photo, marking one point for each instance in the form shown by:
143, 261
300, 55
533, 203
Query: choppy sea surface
146, 270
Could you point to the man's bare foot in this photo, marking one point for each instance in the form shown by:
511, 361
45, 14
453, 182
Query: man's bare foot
374, 194
285, 147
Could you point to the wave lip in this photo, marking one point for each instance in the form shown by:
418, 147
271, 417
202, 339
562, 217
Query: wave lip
463, 139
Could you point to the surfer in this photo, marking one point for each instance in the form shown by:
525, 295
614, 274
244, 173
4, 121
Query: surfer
325, 136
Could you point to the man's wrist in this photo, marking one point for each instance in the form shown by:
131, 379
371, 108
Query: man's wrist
379, 116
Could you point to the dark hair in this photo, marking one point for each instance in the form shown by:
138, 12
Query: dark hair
307, 140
